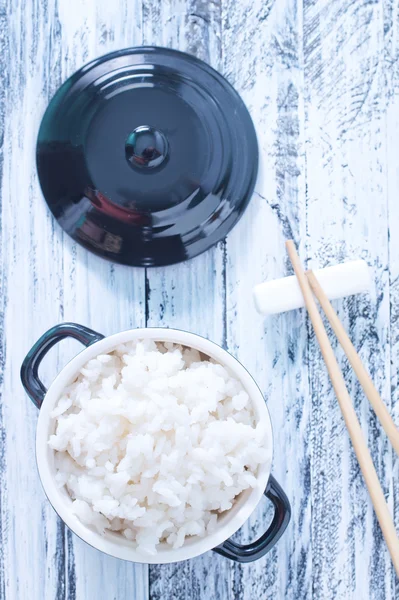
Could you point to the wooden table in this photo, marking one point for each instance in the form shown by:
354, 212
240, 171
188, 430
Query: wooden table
321, 80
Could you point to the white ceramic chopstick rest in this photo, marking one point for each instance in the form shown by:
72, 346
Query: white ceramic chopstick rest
281, 295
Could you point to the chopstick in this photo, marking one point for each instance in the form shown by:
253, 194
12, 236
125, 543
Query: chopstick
364, 378
348, 412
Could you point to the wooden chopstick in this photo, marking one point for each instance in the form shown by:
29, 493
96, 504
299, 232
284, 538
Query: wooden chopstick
348, 412
364, 378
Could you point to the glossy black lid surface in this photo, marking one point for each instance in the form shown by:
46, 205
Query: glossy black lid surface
147, 156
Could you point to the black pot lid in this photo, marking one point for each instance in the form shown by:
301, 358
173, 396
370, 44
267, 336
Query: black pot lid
147, 156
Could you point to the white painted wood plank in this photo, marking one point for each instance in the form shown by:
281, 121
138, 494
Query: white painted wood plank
49, 280
391, 56
189, 296
262, 58
25, 533
347, 218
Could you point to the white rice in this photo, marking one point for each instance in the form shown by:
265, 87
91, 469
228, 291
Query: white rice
155, 442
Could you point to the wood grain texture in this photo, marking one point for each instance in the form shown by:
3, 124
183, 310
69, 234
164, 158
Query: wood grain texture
347, 218
391, 64
266, 38
189, 296
321, 80
49, 279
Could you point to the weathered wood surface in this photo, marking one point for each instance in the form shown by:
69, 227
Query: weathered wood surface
321, 80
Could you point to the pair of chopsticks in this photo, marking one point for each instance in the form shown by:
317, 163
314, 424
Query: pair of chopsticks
310, 286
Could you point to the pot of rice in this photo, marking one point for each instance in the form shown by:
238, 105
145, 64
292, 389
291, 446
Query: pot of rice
154, 445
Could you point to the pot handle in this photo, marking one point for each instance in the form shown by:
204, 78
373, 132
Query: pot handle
30, 367
282, 514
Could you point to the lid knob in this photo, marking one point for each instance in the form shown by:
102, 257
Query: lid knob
146, 147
